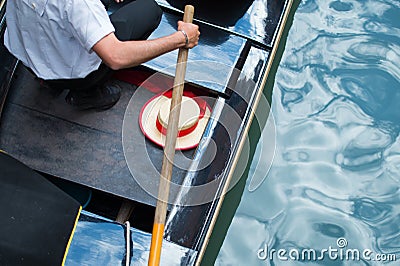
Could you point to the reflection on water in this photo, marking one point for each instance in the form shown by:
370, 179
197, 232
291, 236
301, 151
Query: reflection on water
336, 171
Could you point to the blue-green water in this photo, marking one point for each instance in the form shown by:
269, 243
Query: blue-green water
336, 171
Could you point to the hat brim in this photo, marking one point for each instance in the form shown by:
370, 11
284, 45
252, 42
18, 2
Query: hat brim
148, 118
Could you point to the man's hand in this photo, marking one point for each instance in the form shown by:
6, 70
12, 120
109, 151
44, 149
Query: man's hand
119, 1
192, 32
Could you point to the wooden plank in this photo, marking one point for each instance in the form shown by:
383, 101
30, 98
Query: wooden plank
125, 211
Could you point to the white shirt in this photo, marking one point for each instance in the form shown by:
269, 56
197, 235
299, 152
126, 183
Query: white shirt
55, 37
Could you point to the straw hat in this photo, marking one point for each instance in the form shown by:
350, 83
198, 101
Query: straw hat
153, 119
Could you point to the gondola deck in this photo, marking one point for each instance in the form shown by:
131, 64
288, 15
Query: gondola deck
42, 131
103, 152
86, 147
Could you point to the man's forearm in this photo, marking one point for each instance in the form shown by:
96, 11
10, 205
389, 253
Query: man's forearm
118, 55
135, 53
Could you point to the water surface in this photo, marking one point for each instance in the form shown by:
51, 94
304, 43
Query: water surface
335, 178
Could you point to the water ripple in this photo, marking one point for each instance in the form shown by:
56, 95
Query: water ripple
336, 171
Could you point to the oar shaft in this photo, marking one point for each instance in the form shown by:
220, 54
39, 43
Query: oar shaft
169, 150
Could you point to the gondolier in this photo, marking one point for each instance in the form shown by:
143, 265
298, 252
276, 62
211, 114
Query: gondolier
75, 45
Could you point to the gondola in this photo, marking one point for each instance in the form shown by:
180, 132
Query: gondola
103, 170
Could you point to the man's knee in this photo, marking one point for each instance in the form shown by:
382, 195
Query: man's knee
154, 14
136, 20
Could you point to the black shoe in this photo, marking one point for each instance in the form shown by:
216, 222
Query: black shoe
99, 98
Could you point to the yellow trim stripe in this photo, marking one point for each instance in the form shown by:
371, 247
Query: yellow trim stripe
71, 236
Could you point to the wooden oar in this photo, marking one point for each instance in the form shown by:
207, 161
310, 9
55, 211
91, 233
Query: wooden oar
2, 4
169, 150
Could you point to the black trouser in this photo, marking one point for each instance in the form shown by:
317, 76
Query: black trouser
135, 20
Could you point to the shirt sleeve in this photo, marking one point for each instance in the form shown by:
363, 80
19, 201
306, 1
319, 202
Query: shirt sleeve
88, 21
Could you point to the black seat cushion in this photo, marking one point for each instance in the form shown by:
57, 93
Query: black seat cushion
37, 219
